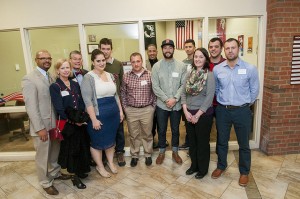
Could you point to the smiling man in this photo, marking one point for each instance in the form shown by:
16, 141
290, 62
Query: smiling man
138, 101
168, 76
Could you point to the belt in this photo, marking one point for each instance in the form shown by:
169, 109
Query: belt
234, 107
140, 106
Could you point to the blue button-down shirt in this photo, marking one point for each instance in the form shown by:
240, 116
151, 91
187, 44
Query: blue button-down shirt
236, 86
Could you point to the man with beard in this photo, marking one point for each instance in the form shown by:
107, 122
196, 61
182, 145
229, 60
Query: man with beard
237, 87
115, 67
168, 76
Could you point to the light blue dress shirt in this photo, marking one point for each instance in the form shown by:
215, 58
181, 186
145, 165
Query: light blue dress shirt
43, 72
237, 86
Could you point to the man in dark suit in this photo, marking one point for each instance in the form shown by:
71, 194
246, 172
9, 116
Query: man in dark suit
41, 113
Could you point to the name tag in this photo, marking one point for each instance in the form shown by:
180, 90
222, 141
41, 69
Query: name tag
242, 71
64, 93
144, 82
174, 74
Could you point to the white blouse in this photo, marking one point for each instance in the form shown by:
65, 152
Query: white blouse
104, 89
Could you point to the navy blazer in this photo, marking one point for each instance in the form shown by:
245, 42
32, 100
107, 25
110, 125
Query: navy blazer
62, 97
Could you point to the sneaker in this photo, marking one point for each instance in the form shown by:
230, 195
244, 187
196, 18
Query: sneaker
184, 147
121, 159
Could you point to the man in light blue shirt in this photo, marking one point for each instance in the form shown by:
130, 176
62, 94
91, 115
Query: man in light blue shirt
237, 87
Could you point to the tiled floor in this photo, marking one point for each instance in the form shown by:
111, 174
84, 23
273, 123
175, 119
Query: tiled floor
271, 177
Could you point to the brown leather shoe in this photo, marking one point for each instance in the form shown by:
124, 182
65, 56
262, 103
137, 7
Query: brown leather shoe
51, 190
176, 157
243, 181
216, 173
63, 177
160, 158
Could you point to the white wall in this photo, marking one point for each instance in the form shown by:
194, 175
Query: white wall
36, 13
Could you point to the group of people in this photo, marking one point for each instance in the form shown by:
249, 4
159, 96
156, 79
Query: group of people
196, 90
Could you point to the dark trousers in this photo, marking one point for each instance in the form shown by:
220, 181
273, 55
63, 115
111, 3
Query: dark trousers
120, 139
240, 118
162, 121
154, 124
199, 136
186, 142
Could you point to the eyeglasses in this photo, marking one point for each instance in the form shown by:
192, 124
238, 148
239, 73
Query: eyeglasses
45, 58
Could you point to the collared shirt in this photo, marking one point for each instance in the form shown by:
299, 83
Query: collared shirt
167, 82
136, 90
43, 72
236, 86
78, 78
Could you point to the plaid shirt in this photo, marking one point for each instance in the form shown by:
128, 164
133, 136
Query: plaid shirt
137, 91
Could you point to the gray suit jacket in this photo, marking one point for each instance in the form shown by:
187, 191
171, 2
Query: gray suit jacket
35, 88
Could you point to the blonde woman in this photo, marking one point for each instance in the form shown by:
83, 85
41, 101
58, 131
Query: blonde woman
74, 151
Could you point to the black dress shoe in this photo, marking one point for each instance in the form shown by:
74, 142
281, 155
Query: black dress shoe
82, 175
200, 175
51, 190
77, 182
133, 162
63, 177
148, 161
190, 171
93, 163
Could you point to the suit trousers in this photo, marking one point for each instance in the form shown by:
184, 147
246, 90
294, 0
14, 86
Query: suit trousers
199, 137
46, 160
139, 122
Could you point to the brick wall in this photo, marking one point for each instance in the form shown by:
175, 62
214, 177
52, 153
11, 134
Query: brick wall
280, 129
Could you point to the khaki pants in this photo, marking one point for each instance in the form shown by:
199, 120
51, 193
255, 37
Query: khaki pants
140, 121
46, 161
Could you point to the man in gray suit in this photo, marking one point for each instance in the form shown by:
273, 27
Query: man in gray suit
38, 105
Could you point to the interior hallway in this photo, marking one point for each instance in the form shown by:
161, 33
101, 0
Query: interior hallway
271, 177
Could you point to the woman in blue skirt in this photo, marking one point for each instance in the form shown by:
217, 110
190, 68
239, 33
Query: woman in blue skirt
99, 93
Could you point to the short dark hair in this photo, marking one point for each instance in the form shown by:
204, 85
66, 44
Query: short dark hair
190, 41
74, 52
207, 60
95, 53
136, 54
232, 39
151, 45
105, 41
216, 39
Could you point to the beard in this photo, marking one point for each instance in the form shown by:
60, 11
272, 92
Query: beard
169, 56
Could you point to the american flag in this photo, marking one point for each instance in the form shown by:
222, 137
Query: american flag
18, 96
184, 31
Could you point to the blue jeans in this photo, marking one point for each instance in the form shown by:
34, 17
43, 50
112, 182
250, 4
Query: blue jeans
162, 121
120, 139
240, 118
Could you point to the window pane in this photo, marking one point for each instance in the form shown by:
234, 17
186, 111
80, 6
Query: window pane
58, 41
125, 38
244, 30
13, 126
